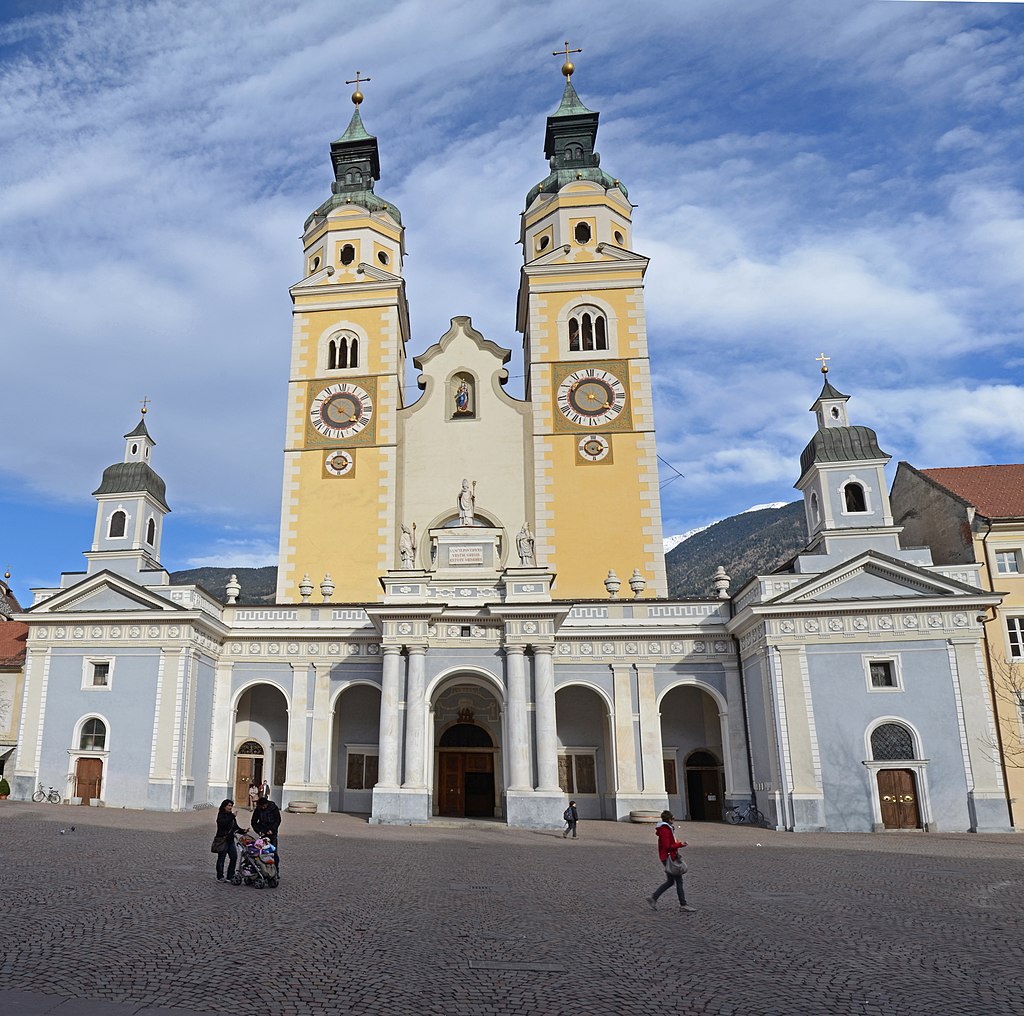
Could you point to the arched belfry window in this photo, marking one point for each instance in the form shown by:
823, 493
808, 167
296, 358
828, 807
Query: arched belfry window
343, 352
118, 523
891, 742
588, 330
815, 509
151, 532
853, 497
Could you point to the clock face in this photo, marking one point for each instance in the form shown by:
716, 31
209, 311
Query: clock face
593, 448
341, 410
339, 463
591, 397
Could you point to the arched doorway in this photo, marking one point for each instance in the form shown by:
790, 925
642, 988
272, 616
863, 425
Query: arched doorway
260, 741
693, 750
898, 797
705, 791
467, 725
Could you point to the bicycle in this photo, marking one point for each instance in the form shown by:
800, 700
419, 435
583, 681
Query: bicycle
744, 813
52, 795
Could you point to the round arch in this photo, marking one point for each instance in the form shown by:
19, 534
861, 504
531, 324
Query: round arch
88, 766
881, 721
348, 686
255, 683
693, 682
599, 691
466, 675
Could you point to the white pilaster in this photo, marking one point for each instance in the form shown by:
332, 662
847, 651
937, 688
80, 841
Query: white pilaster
415, 716
547, 735
518, 721
651, 757
295, 772
320, 746
387, 775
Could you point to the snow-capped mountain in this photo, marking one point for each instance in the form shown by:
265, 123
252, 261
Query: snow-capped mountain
671, 542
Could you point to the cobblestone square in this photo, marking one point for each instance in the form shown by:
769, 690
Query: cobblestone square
123, 915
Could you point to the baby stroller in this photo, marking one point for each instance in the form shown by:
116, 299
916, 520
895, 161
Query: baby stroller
257, 862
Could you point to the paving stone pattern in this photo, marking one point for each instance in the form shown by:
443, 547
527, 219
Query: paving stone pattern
124, 916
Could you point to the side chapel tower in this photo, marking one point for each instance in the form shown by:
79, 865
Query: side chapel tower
581, 313
350, 328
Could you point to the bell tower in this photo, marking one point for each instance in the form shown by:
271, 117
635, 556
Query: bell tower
350, 325
581, 313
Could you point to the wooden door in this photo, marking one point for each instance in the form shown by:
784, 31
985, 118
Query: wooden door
245, 773
478, 784
88, 775
704, 795
450, 793
897, 794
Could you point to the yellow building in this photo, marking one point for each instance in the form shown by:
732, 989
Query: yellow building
572, 466
976, 514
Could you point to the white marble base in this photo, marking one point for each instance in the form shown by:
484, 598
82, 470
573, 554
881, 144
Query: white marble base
639, 802
534, 809
400, 806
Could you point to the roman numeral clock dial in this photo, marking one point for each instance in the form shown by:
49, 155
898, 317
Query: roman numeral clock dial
591, 397
341, 410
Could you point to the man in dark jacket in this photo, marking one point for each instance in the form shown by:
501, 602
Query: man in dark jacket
266, 820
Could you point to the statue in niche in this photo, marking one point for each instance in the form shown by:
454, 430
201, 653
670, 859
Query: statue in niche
407, 546
467, 503
525, 545
463, 398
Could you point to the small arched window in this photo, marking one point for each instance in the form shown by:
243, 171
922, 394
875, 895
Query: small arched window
94, 736
118, 523
891, 742
582, 232
151, 532
343, 352
815, 510
588, 330
853, 495
353, 176
353, 352
348, 254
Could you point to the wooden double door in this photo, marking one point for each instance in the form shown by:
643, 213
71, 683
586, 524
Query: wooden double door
465, 783
88, 778
897, 795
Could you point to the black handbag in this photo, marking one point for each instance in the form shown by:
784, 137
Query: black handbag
219, 845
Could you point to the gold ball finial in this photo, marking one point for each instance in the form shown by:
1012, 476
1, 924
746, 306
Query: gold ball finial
357, 96
145, 402
823, 360
568, 67
7, 574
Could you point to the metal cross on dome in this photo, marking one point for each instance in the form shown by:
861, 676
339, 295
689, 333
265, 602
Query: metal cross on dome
568, 67
823, 360
357, 96
145, 402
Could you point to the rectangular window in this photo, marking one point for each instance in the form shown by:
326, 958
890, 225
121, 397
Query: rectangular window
671, 783
882, 675
100, 675
362, 771
577, 773
1008, 562
1015, 631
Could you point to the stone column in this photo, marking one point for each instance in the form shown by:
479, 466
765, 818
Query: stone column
626, 777
320, 742
547, 735
518, 721
295, 768
415, 718
387, 775
651, 756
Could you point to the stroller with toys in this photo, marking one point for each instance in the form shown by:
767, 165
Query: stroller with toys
257, 862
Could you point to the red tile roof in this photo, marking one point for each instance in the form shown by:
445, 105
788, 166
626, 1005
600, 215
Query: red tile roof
13, 639
996, 491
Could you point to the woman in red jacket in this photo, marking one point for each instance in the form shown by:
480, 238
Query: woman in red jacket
668, 846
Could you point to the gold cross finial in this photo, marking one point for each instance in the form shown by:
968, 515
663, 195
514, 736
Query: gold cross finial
357, 96
568, 67
823, 360
145, 402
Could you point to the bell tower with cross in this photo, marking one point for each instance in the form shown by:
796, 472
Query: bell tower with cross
350, 325
581, 313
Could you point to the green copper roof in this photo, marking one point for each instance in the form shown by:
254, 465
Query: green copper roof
355, 130
363, 198
555, 181
570, 104
132, 478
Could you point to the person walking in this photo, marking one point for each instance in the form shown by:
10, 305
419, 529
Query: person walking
668, 850
263, 789
571, 817
254, 795
266, 820
227, 826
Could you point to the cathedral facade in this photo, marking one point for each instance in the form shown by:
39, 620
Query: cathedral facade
472, 615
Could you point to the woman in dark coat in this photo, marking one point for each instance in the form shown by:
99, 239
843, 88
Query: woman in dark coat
227, 826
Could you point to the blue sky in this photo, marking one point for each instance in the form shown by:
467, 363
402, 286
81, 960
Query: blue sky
808, 176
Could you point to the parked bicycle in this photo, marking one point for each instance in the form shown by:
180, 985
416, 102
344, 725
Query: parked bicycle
53, 795
744, 813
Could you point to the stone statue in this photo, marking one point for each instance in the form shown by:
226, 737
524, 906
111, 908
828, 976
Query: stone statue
407, 546
462, 407
525, 545
467, 503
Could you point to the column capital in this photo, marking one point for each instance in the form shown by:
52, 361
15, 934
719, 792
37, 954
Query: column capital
544, 650
391, 650
514, 649
417, 650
